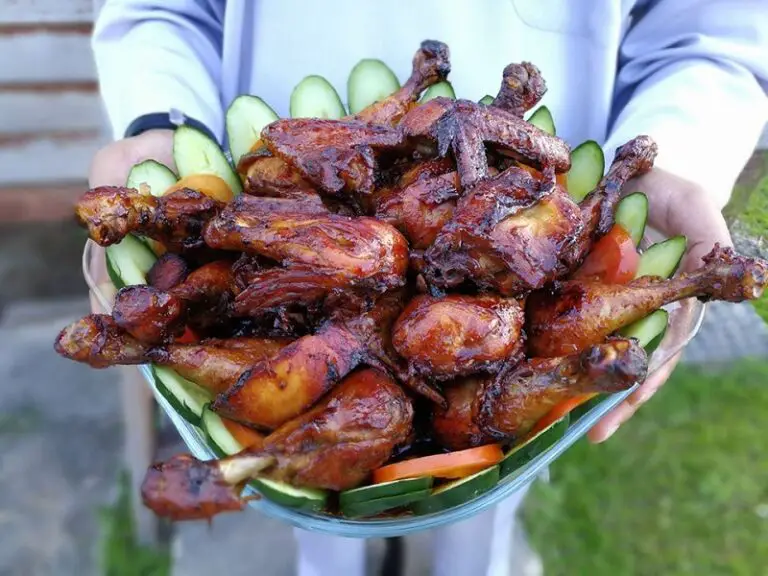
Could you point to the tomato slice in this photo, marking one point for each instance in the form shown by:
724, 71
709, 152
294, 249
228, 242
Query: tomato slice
613, 259
244, 435
559, 411
451, 465
189, 337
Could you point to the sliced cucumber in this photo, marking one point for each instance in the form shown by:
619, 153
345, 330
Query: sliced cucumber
384, 490
195, 153
246, 118
487, 100
649, 331
187, 398
542, 119
129, 261
459, 491
370, 81
158, 177
219, 438
379, 505
527, 451
632, 214
443, 89
314, 97
310, 499
663, 258
587, 167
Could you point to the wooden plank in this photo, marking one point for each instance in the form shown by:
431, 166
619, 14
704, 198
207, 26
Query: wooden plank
36, 11
52, 159
50, 203
46, 57
43, 111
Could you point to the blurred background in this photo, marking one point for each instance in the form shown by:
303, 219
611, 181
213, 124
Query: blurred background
681, 489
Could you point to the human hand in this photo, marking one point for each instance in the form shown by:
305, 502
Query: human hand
110, 167
676, 206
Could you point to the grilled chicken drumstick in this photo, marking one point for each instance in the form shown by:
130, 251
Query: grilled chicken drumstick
176, 220
506, 406
334, 445
575, 314
457, 335
214, 364
522, 87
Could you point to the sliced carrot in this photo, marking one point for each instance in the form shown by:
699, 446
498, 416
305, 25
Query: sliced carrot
559, 411
613, 259
245, 436
451, 465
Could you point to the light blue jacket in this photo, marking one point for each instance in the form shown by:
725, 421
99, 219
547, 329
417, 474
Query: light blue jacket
690, 73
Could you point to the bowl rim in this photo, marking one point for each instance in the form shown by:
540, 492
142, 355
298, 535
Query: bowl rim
686, 317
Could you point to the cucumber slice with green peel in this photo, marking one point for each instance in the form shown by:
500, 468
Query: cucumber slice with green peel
369, 81
663, 258
219, 438
195, 153
443, 89
129, 261
309, 499
459, 491
542, 119
632, 214
158, 177
246, 118
527, 451
648, 330
587, 166
187, 398
379, 505
384, 490
487, 100
314, 97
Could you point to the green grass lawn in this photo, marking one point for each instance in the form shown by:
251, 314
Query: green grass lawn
682, 488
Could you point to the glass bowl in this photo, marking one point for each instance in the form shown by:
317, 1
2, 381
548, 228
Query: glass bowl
685, 319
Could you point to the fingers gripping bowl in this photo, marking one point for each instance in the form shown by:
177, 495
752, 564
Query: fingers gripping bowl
389, 321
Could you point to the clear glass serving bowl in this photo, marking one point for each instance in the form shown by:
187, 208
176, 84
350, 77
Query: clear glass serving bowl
685, 320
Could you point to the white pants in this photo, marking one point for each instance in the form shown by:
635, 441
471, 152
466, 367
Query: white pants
478, 546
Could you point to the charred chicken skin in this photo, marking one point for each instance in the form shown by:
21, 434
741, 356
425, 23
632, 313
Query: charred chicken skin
334, 445
522, 87
575, 314
457, 335
176, 220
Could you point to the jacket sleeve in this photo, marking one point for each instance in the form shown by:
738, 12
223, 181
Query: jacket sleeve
693, 75
156, 55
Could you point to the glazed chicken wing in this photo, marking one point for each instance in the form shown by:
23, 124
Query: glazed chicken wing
216, 365
456, 335
267, 175
510, 234
466, 127
168, 271
576, 314
176, 220
454, 426
335, 445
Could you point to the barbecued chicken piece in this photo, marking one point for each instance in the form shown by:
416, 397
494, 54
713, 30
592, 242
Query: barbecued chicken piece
421, 203
98, 341
335, 445
267, 175
514, 401
175, 220
454, 426
458, 335
168, 271
572, 315
431, 64
330, 250
522, 87
510, 234
465, 127
155, 316
274, 391
336, 156
598, 208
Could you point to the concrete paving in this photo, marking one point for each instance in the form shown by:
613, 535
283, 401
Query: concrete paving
61, 447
